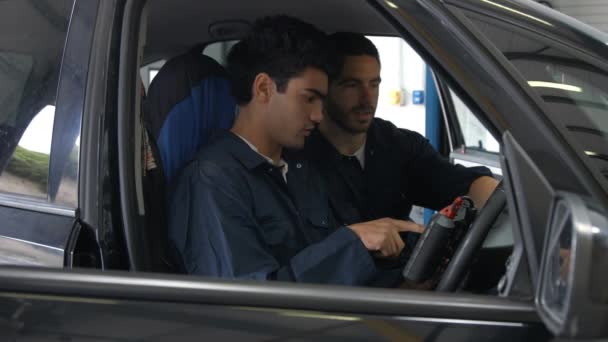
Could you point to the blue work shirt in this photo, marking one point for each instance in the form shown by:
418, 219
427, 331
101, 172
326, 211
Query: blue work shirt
232, 215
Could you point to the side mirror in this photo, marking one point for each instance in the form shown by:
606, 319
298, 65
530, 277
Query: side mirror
572, 292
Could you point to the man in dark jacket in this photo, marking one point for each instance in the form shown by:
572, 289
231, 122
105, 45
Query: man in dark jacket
374, 169
249, 208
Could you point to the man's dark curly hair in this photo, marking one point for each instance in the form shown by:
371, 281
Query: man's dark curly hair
281, 46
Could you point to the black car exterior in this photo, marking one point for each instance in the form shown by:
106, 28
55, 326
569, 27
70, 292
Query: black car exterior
86, 226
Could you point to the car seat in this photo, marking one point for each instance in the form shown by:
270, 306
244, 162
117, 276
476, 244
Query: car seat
188, 100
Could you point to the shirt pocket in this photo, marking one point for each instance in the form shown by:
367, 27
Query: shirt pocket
276, 231
319, 222
279, 237
346, 213
318, 219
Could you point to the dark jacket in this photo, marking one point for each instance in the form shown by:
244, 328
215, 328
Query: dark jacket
233, 216
401, 169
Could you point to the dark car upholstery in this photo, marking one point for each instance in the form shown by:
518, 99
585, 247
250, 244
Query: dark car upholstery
187, 102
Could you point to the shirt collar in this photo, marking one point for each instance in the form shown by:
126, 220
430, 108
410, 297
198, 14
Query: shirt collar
360, 155
281, 163
321, 147
320, 144
374, 138
241, 151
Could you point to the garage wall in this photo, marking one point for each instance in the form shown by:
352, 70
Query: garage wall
403, 72
591, 12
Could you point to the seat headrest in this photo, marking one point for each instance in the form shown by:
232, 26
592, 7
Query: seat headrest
188, 100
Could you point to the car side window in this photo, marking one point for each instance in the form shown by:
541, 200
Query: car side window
219, 50
32, 38
475, 145
149, 71
475, 135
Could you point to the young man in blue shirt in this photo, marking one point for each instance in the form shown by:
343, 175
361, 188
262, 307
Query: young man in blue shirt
251, 207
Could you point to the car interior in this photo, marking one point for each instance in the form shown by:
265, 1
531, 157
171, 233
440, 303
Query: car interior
177, 39
185, 42
92, 178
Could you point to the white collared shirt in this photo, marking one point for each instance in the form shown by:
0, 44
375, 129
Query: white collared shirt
360, 155
282, 164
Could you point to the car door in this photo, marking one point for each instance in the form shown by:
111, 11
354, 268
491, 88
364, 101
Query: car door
567, 73
44, 52
83, 304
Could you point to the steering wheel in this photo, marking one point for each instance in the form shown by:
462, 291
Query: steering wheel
472, 242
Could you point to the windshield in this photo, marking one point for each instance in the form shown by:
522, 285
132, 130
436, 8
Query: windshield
572, 85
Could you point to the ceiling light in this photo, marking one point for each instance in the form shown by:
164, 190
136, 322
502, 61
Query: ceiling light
517, 12
391, 4
553, 85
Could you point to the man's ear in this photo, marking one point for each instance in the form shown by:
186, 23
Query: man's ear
263, 87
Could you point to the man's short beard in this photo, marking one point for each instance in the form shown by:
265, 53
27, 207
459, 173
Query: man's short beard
341, 119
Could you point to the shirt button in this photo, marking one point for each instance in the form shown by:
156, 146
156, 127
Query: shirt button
323, 223
270, 170
298, 166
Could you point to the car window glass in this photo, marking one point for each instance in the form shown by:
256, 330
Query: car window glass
149, 71
15, 71
32, 37
219, 50
572, 88
475, 135
402, 74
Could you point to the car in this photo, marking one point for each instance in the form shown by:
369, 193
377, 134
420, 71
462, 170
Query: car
80, 256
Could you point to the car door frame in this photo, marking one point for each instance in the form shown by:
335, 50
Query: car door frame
429, 307
39, 232
131, 27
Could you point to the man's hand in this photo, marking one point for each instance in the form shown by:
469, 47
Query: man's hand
382, 236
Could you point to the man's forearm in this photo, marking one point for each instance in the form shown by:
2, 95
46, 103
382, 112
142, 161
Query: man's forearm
481, 189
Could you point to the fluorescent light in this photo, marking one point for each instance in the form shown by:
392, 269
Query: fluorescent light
318, 315
553, 85
391, 4
589, 229
517, 12
591, 154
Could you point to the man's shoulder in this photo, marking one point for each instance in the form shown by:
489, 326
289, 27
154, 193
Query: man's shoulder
217, 149
216, 159
318, 149
385, 132
316, 142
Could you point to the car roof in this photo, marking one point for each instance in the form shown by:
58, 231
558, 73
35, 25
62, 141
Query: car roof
176, 26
